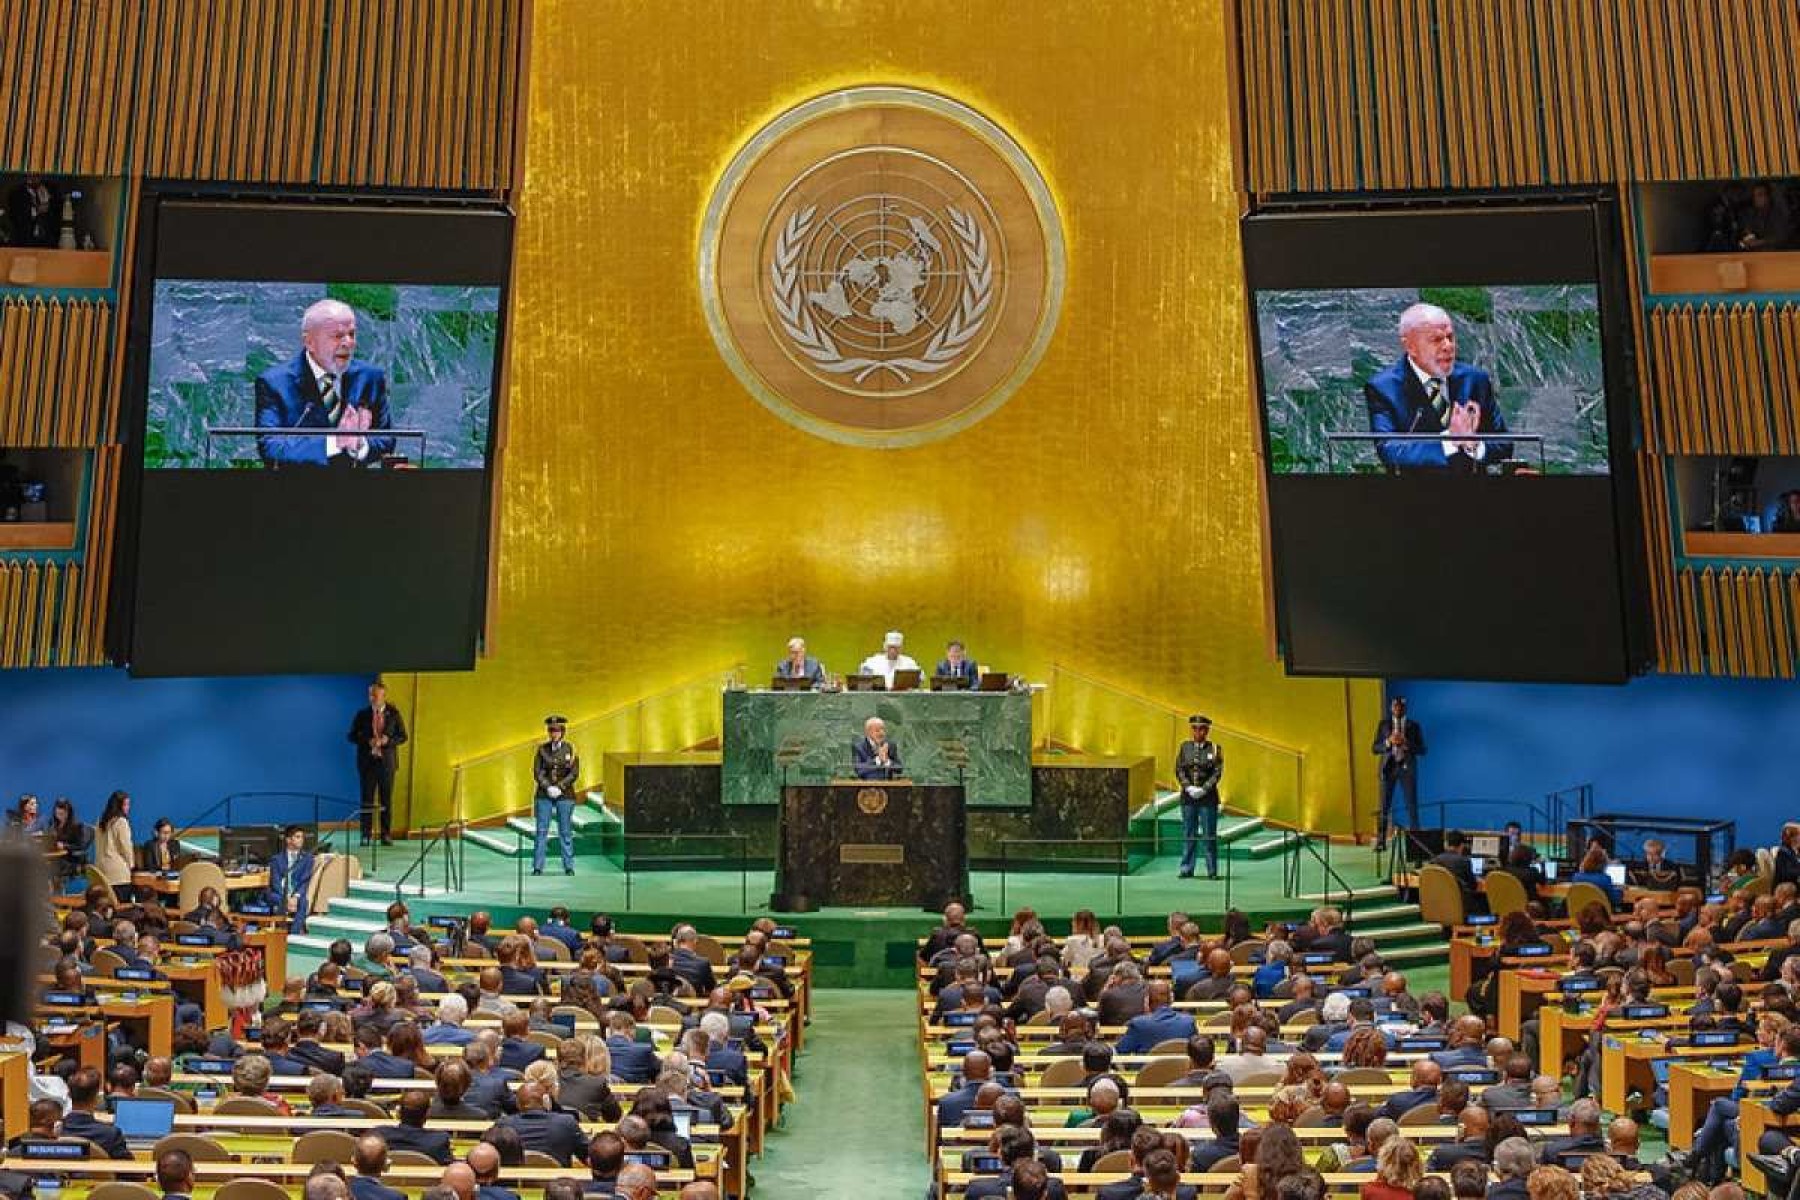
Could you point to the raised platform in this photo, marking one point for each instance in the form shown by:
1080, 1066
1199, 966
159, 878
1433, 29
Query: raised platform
873, 947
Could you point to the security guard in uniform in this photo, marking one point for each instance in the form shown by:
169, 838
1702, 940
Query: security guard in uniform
1198, 766
555, 769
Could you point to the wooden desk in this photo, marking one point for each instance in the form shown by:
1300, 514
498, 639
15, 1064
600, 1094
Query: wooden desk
1692, 1089
1754, 1118
1625, 1066
15, 1091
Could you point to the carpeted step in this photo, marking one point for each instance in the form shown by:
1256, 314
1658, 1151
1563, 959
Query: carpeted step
1373, 891
1388, 935
332, 925
1422, 955
383, 889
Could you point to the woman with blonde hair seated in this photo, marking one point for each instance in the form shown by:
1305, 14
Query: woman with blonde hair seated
1398, 1170
1551, 1183
1602, 1176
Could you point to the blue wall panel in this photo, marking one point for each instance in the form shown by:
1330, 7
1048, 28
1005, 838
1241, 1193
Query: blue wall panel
177, 745
1661, 745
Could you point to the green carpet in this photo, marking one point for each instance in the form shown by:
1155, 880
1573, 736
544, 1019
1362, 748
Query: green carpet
858, 1126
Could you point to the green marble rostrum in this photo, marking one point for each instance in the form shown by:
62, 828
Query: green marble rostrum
813, 732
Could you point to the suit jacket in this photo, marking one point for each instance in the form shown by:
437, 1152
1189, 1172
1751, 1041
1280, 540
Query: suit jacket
1508, 1189
1400, 1103
693, 967
997, 1187
1147, 1029
555, 1133
1119, 1005
331, 1062
388, 1066
1459, 866
1413, 736
1787, 867
862, 759
441, 1034
731, 1063
102, 1133
968, 671
952, 1105
633, 1062
590, 1095
433, 1143
518, 1053
488, 1092
278, 874
555, 765
813, 671
1397, 404
148, 854
362, 731
287, 397
362, 1187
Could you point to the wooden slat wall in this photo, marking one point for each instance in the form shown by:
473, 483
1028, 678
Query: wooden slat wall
55, 360
1724, 379
1737, 622
1400, 94
396, 93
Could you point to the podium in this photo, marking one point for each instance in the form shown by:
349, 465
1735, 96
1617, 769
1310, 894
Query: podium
871, 842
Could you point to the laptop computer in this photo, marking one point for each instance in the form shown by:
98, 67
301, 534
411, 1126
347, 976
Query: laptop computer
864, 683
906, 681
143, 1122
949, 683
1615, 871
1479, 865
790, 683
1551, 868
994, 681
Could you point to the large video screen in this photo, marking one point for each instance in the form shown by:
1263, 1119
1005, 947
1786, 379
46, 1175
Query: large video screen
1444, 408
396, 375
313, 393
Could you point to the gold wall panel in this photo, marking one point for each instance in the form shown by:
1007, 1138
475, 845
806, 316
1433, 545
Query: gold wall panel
656, 520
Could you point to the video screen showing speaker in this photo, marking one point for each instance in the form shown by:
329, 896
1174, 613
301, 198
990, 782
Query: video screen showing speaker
312, 394
1445, 404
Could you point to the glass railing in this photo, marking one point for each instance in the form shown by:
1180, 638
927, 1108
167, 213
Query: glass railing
678, 717
1262, 777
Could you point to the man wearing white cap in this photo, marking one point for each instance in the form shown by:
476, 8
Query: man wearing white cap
889, 660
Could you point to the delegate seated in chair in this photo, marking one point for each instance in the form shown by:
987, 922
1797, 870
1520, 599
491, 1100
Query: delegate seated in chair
290, 877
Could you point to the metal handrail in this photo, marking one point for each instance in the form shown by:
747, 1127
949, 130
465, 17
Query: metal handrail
1291, 864
226, 802
1121, 862
452, 879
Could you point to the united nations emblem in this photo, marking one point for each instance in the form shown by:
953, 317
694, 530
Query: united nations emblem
872, 801
882, 266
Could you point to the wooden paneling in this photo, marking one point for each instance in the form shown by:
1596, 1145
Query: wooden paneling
55, 368
1402, 94
1740, 622
397, 93
1723, 379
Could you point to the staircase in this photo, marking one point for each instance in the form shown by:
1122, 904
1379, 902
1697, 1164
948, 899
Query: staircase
355, 915
596, 828
1377, 912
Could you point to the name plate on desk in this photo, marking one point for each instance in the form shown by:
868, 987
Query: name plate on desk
883, 854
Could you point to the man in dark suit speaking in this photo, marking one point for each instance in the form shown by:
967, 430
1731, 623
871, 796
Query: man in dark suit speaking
1429, 392
321, 388
873, 756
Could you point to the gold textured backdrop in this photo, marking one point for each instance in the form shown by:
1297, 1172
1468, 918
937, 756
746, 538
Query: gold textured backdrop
657, 521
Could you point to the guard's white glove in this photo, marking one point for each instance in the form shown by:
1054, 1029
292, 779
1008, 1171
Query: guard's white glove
554, 792
1193, 793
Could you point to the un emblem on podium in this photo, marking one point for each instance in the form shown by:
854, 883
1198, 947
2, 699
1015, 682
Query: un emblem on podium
872, 801
881, 266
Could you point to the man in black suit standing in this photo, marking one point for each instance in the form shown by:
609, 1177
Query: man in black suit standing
1401, 743
872, 755
377, 732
